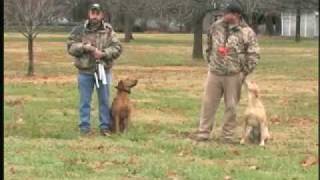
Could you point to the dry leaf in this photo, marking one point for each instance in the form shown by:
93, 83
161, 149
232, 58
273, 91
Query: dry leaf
253, 167
96, 166
181, 153
14, 102
12, 170
20, 121
235, 152
275, 120
100, 147
172, 175
133, 160
309, 161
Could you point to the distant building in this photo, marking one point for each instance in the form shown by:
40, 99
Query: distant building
309, 24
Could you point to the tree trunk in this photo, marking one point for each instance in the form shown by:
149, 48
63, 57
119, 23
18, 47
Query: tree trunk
127, 28
298, 16
278, 25
269, 25
197, 39
30, 55
254, 23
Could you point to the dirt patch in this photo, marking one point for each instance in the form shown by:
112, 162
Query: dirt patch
301, 122
291, 49
39, 79
173, 49
278, 84
157, 116
14, 100
188, 79
21, 50
119, 72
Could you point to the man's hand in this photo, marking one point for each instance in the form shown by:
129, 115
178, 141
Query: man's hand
98, 54
242, 77
88, 47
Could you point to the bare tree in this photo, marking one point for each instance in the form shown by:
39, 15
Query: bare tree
125, 12
199, 10
300, 5
27, 16
250, 9
73, 6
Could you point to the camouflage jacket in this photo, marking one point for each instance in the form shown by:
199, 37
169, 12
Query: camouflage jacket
242, 52
104, 39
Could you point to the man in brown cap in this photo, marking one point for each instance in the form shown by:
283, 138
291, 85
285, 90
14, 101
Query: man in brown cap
94, 46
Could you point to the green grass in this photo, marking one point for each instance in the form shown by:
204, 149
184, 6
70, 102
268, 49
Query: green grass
41, 115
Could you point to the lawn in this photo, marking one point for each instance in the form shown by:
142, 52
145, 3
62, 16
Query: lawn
41, 115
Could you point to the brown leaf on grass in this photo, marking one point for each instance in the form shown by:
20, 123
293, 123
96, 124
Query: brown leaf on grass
117, 162
12, 169
301, 121
227, 178
100, 147
184, 152
235, 152
275, 120
284, 101
20, 121
133, 160
172, 175
309, 161
96, 166
254, 167
181, 153
14, 102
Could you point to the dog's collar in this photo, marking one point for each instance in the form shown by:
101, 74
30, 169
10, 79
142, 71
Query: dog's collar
123, 89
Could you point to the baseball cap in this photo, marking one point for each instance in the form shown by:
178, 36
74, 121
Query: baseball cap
233, 7
95, 6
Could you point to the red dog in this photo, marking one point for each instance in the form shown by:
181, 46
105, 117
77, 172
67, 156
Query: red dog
121, 106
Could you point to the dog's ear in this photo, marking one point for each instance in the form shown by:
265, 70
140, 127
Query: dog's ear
135, 82
120, 85
256, 93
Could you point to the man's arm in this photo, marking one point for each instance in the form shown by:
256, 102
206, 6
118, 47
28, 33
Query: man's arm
209, 44
114, 49
75, 45
252, 52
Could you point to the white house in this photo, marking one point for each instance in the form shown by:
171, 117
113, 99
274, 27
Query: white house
309, 24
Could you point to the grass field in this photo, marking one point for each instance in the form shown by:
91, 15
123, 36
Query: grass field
41, 116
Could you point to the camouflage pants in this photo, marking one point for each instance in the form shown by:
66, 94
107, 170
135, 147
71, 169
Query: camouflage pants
215, 87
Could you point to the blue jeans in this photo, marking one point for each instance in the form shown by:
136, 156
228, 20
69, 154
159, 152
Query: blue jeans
86, 83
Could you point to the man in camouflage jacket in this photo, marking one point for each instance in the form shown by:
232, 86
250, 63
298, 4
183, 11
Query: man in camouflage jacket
91, 44
232, 54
